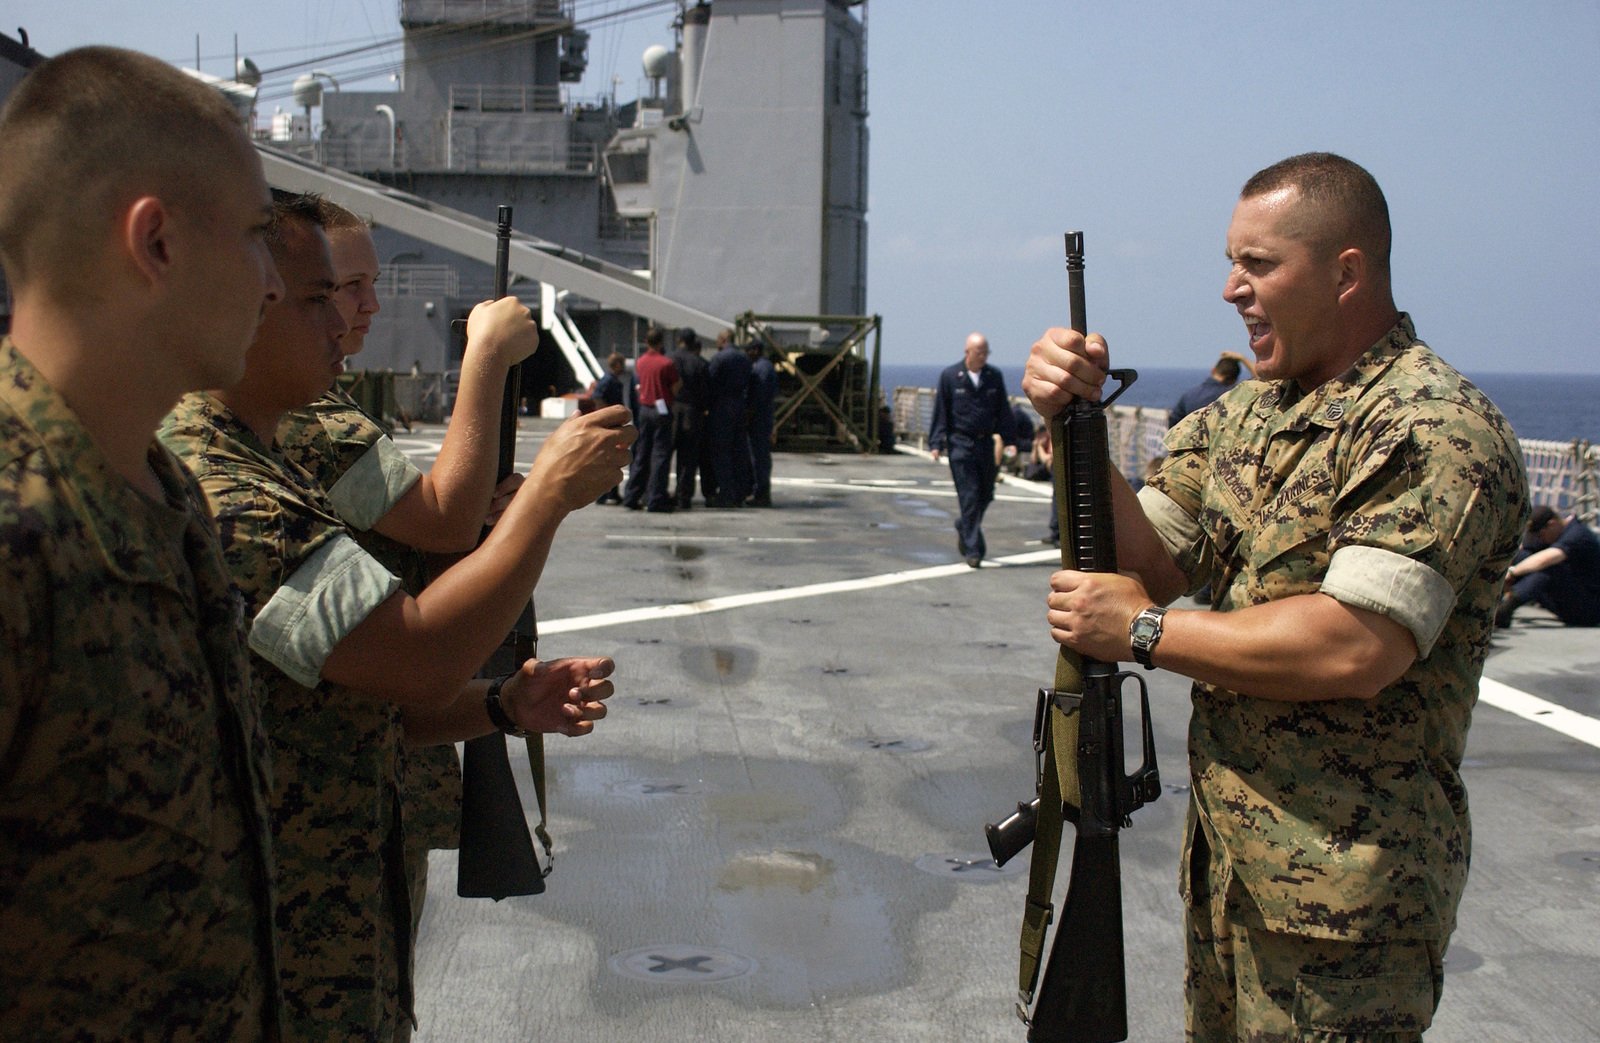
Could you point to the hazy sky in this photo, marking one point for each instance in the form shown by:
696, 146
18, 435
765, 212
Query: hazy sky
996, 126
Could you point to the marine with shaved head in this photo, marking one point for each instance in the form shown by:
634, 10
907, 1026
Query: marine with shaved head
1353, 510
135, 876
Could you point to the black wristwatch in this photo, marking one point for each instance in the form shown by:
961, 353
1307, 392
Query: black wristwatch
1144, 633
497, 713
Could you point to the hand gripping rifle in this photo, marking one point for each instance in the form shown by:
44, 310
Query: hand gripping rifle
1077, 739
497, 857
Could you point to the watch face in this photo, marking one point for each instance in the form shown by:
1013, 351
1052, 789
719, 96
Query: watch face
1144, 628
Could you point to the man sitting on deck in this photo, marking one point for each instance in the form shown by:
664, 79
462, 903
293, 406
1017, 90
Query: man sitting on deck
1558, 568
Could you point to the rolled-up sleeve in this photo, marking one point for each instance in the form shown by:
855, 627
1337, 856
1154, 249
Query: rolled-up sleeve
1421, 513
317, 606
1407, 591
1180, 533
373, 484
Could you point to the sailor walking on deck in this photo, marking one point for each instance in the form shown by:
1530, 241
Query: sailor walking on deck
969, 409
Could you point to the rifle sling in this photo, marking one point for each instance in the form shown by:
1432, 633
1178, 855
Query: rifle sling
535, 743
1039, 910
1058, 775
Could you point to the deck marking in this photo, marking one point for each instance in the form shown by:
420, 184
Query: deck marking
1558, 718
689, 538
944, 489
681, 964
573, 624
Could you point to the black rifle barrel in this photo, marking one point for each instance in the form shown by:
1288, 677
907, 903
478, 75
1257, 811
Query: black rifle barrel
511, 402
496, 859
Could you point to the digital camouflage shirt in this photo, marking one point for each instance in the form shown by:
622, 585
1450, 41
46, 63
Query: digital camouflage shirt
365, 474
135, 873
1397, 488
343, 911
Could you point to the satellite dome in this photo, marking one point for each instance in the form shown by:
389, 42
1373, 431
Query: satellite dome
657, 59
246, 72
307, 90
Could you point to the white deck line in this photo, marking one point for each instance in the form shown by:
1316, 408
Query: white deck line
937, 487
1557, 718
1501, 696
763, 597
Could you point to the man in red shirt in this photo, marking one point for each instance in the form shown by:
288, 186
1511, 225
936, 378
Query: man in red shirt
652, 453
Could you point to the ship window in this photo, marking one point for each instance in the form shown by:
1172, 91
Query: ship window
629, 168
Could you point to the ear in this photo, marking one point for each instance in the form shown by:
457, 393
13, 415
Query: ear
145, 235
1352, 272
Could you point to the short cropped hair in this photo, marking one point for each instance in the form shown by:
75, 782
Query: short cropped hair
336, 218
92, 129
1228, 369
1542, 515
291, 207
1349, 208
654, 338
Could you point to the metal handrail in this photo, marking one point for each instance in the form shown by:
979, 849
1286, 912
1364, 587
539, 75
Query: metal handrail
1565, 475
499, 97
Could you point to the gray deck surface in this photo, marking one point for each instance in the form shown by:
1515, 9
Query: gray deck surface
776, 779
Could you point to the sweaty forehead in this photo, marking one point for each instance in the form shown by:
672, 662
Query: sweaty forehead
1264, 222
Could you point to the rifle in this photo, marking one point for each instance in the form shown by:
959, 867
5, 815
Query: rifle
1077, 741
497, 857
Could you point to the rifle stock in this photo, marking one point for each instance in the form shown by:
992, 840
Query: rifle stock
496, 857
1084, 995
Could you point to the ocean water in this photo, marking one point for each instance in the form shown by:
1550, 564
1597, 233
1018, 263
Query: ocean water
1555, 406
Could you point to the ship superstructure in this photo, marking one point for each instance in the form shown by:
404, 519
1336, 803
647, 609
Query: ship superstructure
736, 184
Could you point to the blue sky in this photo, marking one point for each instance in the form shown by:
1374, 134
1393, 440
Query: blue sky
997, 126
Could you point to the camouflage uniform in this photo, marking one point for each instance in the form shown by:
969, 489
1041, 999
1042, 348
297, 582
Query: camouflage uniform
1398, 488
135, 874
365, 475
343, 909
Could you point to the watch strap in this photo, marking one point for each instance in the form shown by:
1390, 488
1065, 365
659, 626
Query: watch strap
497, 712
1142, 648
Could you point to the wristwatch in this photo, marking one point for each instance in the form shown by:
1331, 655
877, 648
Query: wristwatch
1144, 633
497, 713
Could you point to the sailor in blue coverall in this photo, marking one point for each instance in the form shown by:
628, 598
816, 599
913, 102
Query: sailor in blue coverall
970, 407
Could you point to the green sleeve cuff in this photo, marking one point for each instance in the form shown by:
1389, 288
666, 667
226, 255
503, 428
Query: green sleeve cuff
1406, 591
318, 606
373, 485
1180, 534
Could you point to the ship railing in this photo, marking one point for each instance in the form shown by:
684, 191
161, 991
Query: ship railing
358, 156
418, 280
576, 157
495, 97
503, 12
1565, 475
1135, 432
